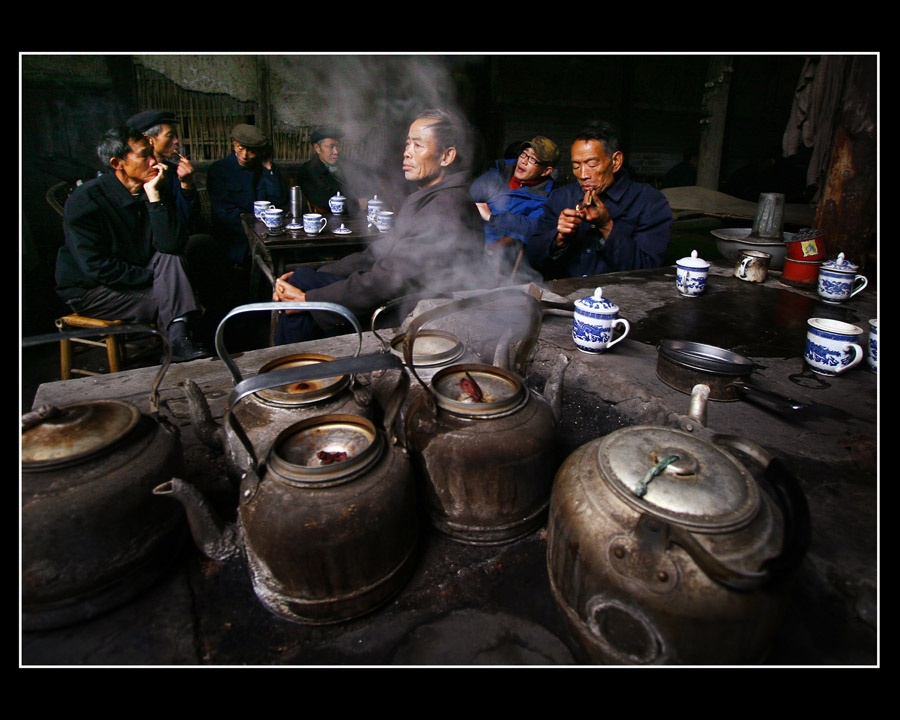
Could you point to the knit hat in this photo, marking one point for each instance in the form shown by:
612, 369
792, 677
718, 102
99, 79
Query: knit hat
545, 149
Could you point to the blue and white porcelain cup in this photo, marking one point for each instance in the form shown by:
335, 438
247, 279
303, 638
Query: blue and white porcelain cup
274, 219
691, 274
832, 346
260, 206
872, 357
838, 280
314, 223
337, 203
595, 321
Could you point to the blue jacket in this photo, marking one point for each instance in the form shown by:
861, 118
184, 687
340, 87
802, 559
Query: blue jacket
232, 191
639, 239
514, 213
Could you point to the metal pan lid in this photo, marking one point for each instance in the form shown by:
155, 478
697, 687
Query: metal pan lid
705, 357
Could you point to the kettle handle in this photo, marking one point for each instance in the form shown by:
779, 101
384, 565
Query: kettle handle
455, 306
386, 344
788, 495
114, 330
325, 306
314, 371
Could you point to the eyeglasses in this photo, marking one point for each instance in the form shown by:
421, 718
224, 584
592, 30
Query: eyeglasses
529, 159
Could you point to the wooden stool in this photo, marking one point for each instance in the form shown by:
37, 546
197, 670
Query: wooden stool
114, 352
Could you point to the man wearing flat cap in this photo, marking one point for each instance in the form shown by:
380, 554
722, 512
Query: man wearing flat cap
510, 198
325, 174
208, 262
235, 182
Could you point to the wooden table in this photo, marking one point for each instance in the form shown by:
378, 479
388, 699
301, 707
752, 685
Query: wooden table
271, 253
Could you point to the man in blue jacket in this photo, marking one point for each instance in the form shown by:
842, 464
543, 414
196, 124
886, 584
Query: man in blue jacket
510, 198
604, 222
235, 182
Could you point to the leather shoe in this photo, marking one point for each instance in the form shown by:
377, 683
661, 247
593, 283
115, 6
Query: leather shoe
186, 348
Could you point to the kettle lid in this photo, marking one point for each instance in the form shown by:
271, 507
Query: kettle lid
78, 432
685, 479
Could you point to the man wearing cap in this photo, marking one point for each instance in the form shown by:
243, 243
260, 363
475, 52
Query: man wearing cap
325, 174
160, 129
208, 262
235, 182
510, 198
604, 222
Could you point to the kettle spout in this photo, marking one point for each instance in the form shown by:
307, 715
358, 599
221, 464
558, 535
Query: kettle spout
206, 428
553, 386
216, 540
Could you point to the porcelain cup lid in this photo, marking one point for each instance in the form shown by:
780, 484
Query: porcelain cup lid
693, 261
840, 264
596, 302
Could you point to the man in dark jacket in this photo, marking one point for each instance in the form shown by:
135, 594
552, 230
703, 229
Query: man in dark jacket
604, 222
122, 258
325, 175
235, 182
436, 244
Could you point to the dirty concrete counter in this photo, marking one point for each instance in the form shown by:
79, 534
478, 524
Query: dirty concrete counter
492, 605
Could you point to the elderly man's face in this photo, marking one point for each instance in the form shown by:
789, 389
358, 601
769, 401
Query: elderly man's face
423, 161
245, 156
328, 150
166, 142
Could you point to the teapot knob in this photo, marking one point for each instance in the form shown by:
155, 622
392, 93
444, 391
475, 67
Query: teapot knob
598, 293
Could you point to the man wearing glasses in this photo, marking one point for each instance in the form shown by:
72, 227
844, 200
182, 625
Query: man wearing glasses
510, 198
604, 222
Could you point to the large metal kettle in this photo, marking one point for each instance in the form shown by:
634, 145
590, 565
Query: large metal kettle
269, 410
93, 535
485, 444
663, 548
327, 516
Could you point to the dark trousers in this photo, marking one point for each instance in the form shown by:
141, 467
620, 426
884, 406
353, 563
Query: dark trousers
302, 327
170, 296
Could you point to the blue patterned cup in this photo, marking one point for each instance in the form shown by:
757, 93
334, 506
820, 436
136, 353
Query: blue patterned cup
872, 357
838, 280
832, 346
595, 321
691, 274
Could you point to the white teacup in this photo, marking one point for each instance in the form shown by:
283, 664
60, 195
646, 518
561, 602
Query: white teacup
384, 220
691, 274
594, 322
314, 223
260, 206
872, 357
273, 218
832, 346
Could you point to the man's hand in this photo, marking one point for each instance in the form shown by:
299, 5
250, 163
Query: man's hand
595, 212
151, 187
185, 171
484, 210
285, 292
